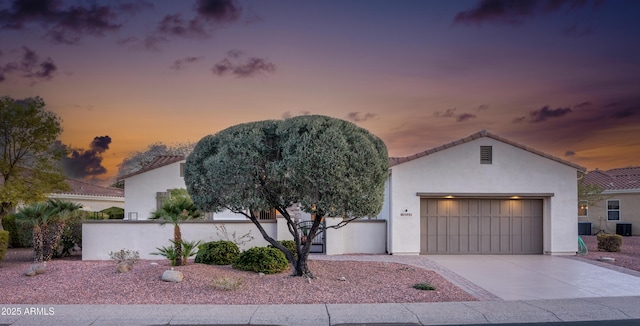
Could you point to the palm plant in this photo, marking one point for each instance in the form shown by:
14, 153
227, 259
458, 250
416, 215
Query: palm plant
175, 209
48, 220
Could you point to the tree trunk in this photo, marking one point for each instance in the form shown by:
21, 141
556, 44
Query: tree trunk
37, 244
51, 244
177, 245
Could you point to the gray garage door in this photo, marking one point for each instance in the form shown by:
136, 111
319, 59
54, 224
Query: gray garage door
480, 226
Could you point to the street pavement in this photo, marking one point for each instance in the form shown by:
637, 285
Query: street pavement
530, 290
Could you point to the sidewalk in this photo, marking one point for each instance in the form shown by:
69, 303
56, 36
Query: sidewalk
478, 312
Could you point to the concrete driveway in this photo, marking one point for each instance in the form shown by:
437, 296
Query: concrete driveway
529, 277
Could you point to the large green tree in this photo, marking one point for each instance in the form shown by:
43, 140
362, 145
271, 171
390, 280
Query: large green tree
29, 157
330, 167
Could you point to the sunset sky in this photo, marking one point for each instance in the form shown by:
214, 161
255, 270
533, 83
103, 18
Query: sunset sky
560, 76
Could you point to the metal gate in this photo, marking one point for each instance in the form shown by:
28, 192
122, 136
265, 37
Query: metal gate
318, 243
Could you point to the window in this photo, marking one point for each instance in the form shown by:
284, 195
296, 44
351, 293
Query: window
486, 154
583, 208
613, 210
182, 169
161, 197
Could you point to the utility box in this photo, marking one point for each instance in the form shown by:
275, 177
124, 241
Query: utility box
623, 229
584, 228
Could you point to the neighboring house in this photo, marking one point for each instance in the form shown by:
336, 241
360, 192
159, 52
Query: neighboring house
479, 195
482, 194
92, 197
620, 202
146, 188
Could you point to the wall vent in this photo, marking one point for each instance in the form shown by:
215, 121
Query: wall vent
486, 154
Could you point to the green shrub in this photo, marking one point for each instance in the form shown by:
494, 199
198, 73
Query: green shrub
424, 286
289, 244
20, 232
609, 242
114, 213
262, 260
72, 235
4, 243
217, 253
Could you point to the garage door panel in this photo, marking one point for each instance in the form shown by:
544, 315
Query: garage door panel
482, 226
504, 234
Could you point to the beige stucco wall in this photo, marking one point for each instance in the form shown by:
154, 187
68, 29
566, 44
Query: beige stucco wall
457, 170
101, 237
629, 212
104, 236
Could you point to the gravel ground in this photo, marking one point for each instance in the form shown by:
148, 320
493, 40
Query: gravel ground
628, 257
73, 281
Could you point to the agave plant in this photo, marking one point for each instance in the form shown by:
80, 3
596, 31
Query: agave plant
189, 249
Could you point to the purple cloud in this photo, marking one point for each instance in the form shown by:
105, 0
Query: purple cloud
250, 68
30, 66
545, 112
449, 113
359, 117
465, 116
513, 11
219, 10
175, 25
181, 63
82, 163
64, 25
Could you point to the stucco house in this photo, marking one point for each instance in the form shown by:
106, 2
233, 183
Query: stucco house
146, 188
93, 198
619, 207
482, 194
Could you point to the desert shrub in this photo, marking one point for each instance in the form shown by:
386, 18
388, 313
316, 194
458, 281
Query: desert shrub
289, 244
226, 283
125, 256
262, 260
20, 232
4, 243
609, 242
221, 252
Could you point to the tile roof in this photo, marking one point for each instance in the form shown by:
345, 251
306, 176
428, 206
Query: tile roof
159, 161
399, 160
615, 179
88, 189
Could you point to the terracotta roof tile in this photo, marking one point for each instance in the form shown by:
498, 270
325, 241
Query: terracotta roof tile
477, 135
159, 161
615, 179
83, 188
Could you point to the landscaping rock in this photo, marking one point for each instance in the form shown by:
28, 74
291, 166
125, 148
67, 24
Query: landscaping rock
35, 269
123, 267
30, 271
172, 276
39, 268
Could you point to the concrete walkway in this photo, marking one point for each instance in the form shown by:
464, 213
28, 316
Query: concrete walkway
540, 277
564, 289
459, 313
